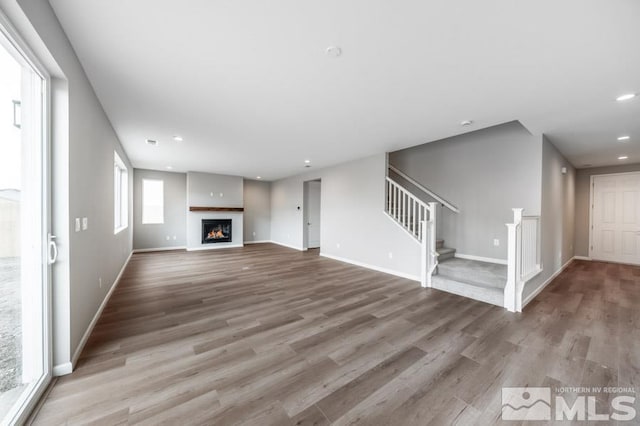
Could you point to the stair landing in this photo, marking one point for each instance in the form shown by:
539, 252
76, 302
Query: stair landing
473, 279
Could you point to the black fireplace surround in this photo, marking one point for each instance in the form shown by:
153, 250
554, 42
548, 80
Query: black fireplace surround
216, 231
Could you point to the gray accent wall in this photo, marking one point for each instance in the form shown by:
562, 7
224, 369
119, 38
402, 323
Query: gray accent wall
83, 143
257, 210
152, 236
583, 193
354, 225
485, 174
213, 190
557, 222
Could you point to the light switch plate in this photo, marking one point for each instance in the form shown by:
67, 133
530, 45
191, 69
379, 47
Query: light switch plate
78, 224
85, 223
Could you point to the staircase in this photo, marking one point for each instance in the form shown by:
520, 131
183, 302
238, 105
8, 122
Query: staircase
444, 253
497, 284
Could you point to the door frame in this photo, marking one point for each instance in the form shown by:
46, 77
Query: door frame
305, 211
29, 399
592, 206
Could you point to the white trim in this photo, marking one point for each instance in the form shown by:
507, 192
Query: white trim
582, 258
62, 369
375, 268
481, 259
258, 242
215, 247
94, 321
537, 291
146, 250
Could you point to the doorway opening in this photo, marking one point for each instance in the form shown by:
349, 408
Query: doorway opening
312, 206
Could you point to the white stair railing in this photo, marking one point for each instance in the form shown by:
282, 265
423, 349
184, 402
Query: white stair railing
419, 220
523, 257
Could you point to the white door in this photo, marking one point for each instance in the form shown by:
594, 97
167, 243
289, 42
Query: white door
313, 215
25, 261
615, 233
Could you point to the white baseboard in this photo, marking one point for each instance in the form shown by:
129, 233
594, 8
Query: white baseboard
481, 259
375, 268
146, 250
62, 369
287, 245
538, 290
258, 242
67, 369
214, 248
582, 258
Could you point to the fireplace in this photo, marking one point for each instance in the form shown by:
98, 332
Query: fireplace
216, 231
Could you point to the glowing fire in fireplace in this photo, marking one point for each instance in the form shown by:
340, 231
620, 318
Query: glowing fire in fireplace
215, 234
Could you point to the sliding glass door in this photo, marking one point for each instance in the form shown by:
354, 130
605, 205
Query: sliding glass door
26, 248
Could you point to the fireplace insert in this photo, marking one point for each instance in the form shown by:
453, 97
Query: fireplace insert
216, 231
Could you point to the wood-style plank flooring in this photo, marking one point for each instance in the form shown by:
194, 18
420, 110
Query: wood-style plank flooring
267, 335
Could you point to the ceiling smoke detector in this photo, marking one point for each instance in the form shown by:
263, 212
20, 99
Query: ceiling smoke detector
152, 142
333, 51
466, 123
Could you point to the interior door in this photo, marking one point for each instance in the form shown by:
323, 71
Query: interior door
25, 259
313, 215
615, 233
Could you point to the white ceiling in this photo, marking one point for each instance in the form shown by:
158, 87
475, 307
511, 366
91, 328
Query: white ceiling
248, 85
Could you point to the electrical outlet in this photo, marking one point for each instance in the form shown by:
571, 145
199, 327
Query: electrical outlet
390, 255
211, 194
78, 224
337, 245
221, 195
254, 233
100, 282
168, 238
85, 223
496, 242
174, 238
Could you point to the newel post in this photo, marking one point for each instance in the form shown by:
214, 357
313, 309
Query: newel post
513, 261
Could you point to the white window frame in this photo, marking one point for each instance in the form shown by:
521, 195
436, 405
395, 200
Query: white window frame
145, 203
120, 194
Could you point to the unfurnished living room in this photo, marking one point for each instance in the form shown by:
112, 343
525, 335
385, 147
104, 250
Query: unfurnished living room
314, 213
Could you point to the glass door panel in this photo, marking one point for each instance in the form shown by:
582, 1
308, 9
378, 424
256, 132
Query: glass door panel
24, 218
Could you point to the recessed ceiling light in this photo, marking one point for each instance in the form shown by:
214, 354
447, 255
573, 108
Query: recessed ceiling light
151, 142
178, 138
623, 157
466, 123
626, 97
258, 177
623, 138
333, 51
169, 167
307, 161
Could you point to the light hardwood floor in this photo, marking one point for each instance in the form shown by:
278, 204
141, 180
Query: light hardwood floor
267, 335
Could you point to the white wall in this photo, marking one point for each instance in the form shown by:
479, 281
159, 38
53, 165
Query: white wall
485, 174
257, 210
212, 190
151, 236
354, 225
83, 143
558, 212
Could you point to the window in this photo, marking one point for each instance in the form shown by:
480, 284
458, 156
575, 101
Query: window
121, 194
152, 201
